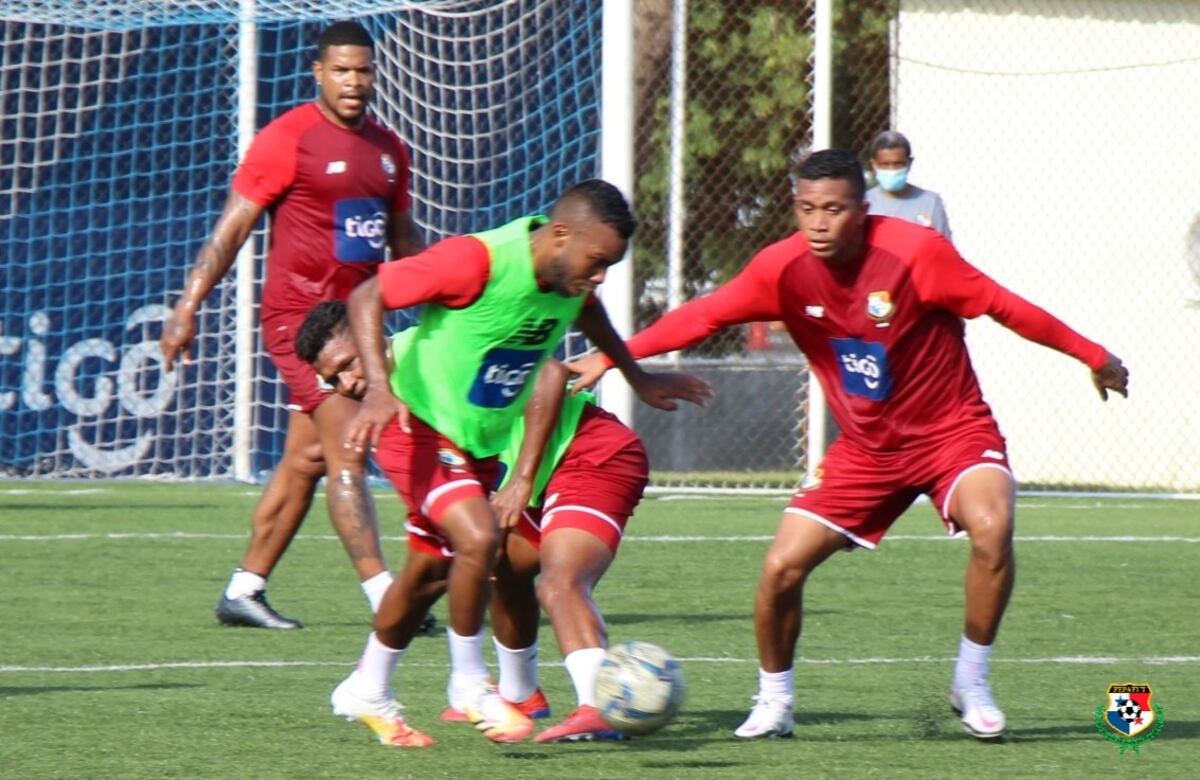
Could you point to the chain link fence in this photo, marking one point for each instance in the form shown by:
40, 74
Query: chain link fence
747, 120
1057, 135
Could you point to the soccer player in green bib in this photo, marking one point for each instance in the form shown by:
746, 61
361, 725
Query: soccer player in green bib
573, 474
496, 304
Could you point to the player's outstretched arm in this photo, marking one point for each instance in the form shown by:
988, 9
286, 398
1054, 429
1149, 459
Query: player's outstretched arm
1111, 376
660, 389
379, 404
541, 417
213, 261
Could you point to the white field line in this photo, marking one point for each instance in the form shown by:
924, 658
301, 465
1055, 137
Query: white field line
1067, 660
185, 535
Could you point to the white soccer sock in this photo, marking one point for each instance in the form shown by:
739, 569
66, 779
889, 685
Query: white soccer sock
776, 685
583, 666
373, 676
375, 587
243, 583
467, 668
518, 671
972, 664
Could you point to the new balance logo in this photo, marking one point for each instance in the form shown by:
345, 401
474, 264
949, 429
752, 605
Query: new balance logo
993, 454
533, 333
335, 166
815, 311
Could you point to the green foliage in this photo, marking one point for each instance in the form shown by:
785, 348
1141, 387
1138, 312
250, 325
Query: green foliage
747, 123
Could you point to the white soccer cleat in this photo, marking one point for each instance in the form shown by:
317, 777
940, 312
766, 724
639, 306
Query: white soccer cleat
496, 718
769, 718
981, 718
382, 716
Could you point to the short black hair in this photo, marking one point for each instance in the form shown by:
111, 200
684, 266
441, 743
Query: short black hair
326, 319
343, 34
890, 139
606, 202
834, 164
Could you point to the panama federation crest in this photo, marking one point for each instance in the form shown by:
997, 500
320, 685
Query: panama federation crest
388, 165
1129, 719
879, 305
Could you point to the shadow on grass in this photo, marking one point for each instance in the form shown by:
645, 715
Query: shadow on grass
37, 690
1177, 729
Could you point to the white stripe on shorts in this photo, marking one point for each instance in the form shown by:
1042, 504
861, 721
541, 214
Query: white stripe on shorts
830, 525
953, 528
546, 518
442, 490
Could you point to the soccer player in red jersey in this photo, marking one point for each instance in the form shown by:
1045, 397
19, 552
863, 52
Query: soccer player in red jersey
876, 304
575, 475
335, 183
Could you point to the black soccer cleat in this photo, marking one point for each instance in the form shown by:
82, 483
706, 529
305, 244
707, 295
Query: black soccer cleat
428, 626
252, 610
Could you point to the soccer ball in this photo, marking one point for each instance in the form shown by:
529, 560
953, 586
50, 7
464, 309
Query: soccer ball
1129, 711
639, 687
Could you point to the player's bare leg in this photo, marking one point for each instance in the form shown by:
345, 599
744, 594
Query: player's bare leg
277, 516
515, 616
982, 504
573, 561
800, 545
348, 497
364, 695
472, 530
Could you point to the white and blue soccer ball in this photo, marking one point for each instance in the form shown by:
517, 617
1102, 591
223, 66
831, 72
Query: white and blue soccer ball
639, 688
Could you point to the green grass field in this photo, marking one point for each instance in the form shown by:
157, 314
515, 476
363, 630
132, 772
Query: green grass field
113, 666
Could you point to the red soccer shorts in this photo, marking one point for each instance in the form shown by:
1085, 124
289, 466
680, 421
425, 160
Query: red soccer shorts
596, 486
306, 391
861, 493
431, 474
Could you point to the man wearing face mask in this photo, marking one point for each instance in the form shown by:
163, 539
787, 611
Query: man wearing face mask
893, 195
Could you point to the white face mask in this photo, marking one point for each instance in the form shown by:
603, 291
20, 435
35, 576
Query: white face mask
892, 180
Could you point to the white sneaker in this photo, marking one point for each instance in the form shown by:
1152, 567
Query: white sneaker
383, 716
499, 721
769, 718
980, 716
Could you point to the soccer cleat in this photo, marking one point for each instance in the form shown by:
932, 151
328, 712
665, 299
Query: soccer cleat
381, 716
252, 610
582, 725
535, 707
428, 626
769, 718
499, 720
981, 718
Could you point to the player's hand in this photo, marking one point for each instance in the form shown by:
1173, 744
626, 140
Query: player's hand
377, 409
588, 370
1112, 376
178, 332
661, 389
509, 502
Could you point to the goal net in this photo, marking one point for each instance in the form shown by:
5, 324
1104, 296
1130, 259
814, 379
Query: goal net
120, 136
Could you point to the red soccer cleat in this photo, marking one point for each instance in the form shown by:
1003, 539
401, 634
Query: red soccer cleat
582, 725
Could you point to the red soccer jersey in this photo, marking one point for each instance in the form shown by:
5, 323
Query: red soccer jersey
883, 334
329, 191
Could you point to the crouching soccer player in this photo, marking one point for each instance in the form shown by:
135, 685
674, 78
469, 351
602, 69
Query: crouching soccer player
573, 476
